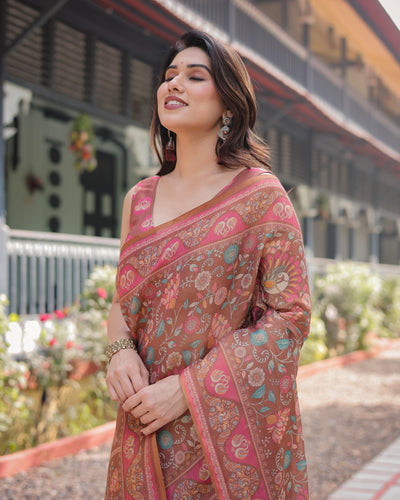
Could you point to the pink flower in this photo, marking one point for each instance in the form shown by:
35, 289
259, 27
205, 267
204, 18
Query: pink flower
59, 314
171, 292
285, 384
256, 377
220, 326
69, 344
101, 293
277, 424
44, 317
174, 360
302, 494
52, 342
220, 295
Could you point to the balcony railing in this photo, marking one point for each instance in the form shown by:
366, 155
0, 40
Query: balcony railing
250, 29
47, 271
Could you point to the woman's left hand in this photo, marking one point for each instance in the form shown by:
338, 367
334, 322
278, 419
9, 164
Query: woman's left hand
157, 404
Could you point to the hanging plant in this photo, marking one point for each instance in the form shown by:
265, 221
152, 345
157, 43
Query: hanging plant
82, 139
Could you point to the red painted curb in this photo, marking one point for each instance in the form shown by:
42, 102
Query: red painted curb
306, 371
23, 460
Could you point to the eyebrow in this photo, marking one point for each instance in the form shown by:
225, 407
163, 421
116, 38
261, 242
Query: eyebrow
174, 66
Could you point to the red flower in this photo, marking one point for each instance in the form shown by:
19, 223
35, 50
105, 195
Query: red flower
44, 317
59, 314
101, 293
52, 342
69, 344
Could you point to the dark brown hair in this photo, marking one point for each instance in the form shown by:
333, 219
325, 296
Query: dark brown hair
242, 146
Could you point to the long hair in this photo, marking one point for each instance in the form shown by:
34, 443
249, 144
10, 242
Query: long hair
242, 146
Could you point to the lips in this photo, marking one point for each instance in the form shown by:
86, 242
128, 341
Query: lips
173, 102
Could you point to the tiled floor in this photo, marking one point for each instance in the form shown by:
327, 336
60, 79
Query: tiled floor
378, 480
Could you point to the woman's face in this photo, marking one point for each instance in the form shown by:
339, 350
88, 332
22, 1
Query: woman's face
188, 100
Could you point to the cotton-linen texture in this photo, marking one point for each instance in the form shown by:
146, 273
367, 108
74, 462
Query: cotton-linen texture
219, 296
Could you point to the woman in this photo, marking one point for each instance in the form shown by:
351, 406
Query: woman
212, 304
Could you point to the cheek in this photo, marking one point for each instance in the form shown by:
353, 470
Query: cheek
161, 94
214, 101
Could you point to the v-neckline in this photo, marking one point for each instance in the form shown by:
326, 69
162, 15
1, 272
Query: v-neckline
187, 214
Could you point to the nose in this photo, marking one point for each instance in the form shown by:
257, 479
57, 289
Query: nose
175, 84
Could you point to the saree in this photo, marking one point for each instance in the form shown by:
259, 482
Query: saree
219, 296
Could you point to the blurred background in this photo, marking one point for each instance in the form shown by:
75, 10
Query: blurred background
78, 79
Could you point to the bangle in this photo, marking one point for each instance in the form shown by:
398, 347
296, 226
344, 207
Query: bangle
118, 345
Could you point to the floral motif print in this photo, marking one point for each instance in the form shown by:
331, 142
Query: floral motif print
171, 292
174, 360
256, 377
277, 424
114, 481
202, 280
221, 299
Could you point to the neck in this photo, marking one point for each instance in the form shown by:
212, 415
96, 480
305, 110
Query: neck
195, 158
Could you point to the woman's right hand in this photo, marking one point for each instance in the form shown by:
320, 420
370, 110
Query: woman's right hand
126, 375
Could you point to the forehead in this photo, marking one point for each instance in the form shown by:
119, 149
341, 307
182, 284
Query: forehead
191, 55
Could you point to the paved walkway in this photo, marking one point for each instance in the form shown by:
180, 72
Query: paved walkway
378, 480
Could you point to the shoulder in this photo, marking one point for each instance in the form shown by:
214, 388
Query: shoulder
143, 187
266, 180
271, 199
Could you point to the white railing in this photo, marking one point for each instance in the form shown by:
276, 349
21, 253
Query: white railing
46, 271
319, 266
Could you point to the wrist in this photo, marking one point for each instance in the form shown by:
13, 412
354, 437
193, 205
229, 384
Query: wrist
118, 345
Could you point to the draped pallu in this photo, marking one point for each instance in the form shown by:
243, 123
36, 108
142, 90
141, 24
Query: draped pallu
219, 296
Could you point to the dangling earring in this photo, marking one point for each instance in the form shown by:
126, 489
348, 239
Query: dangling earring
170, 148
224, 130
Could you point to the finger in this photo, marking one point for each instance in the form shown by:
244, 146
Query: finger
131, 402
139, 411
153, 427
147, 417
138, 381
145, 374
127, 386
113, 394
120, 392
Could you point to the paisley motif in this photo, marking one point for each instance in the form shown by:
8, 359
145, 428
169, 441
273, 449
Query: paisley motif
224, 227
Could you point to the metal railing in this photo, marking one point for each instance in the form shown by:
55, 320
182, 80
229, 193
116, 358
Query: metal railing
47, 271
319, 265
248, 27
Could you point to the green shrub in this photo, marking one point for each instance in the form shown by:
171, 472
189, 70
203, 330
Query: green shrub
389, 304
347, 299
314, 348
42, 397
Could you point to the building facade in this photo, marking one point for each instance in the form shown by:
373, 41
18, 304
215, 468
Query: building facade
325, 74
